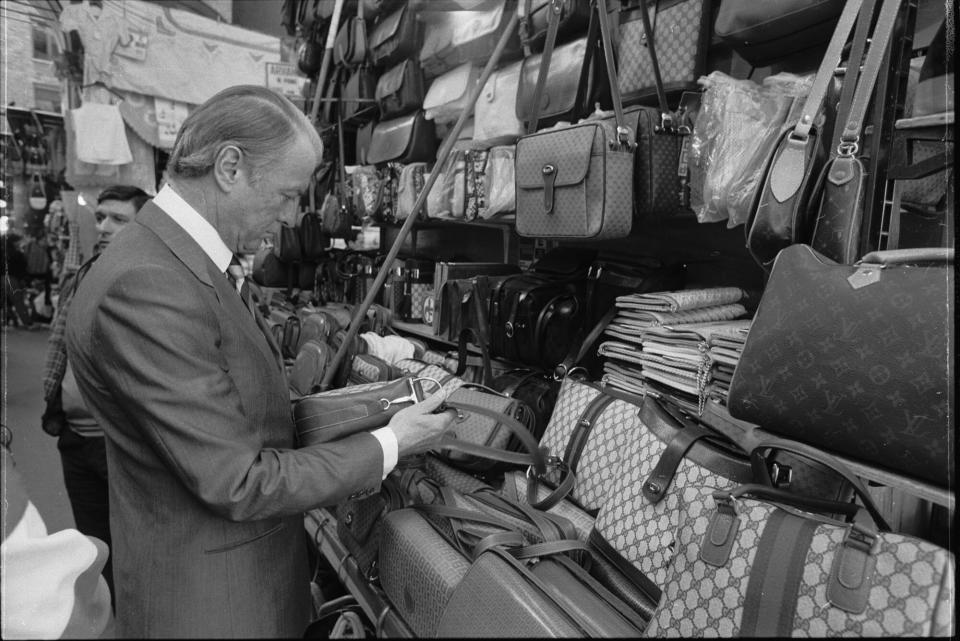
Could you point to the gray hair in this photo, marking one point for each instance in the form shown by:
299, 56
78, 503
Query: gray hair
258, 121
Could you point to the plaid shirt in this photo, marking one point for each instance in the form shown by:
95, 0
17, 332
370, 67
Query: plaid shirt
55, 365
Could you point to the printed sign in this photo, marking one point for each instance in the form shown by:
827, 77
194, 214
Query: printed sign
284, 79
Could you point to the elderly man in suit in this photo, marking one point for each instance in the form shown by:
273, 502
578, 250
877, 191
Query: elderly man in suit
206, 490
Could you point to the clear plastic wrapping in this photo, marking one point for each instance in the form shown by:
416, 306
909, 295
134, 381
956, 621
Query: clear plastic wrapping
736, 131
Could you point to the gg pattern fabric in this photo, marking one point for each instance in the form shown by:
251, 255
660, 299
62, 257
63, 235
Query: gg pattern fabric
911, 591
641, 532
572, 400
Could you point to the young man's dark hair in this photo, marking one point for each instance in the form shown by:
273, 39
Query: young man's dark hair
126, 193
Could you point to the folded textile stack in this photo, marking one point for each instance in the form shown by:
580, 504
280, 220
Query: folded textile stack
685, 342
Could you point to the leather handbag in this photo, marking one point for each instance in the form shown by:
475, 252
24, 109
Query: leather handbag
859, 364
395, 38
287, 247
486, 428
449, 93
495, 120
285, 326
311, 362
836, 231
681, 35
763, 32
797, 574
533, 388
458, 38
569, 89
367, 368
403, 140
576, 182
350, 44
328, 416
358, 97
534, 17
782, 215
313, 242
268, 271
399, 90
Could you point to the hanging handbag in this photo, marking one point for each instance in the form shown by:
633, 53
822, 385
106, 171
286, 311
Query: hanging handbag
781, 216
792, 573
395, 38
500, 196
860, 364
568, 92
400, 90
404, 140
576, 182
448, 94
313, 242
495, 120
574, 17
358, 97
681, 35
763, 32
836, 231
350, 45
410, 184
287, 245
459, 37
38, 195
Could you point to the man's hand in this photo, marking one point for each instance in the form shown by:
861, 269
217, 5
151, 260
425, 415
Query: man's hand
416, 427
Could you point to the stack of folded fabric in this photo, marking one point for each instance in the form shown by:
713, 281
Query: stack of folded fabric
664, 342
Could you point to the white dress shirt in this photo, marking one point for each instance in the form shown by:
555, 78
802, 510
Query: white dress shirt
209, 240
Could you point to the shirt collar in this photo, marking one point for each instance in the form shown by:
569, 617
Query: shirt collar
195, 225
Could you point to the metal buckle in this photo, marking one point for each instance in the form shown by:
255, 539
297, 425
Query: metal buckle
848, 149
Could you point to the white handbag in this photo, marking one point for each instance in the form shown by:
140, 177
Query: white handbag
495, 116
501, 196
448, 94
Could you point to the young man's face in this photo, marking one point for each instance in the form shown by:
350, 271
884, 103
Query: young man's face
112, 216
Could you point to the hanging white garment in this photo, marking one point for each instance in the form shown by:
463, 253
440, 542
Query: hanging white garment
101, 137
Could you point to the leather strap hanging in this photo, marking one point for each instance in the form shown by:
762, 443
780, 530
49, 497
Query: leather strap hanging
553, 26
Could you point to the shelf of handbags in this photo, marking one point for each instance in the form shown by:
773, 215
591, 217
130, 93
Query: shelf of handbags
642, 451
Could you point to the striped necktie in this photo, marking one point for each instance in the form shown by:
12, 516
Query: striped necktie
235, 275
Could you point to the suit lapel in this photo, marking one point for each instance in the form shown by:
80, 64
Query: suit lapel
198, 262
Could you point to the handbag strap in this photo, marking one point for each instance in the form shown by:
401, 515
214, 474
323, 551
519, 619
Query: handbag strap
850, 136
666, 116
553, 26
829, 63
852, 74
623, 132
534, 457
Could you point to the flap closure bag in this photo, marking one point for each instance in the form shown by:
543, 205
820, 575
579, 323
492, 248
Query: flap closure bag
405, 139
569, 77
448, 94
395, 38
391, 81
558, 166
350, 46
332, 415
534, 16
361, 85
495, 111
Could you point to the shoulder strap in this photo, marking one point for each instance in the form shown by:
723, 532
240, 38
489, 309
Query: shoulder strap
831, 59
623, 132
871, 69
553, 25
852, 73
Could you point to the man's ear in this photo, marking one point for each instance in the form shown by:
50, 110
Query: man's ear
227, 167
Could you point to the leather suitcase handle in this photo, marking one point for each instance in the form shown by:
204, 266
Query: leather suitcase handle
905, 256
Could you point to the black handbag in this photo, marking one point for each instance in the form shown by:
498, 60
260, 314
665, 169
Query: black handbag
763, 32
569, 90
395, 38
399, 90
859, 364
782, 216
406, 139
358, 97
536, 390
350, 45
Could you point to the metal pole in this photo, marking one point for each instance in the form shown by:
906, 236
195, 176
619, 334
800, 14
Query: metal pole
445, 150
325, 62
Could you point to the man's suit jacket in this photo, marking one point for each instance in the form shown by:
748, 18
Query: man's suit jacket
206, 494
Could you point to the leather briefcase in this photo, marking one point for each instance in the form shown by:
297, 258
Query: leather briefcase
400, 90
857, 360
395, 38
404, 140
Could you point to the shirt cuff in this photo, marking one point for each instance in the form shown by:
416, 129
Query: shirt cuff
391, 449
